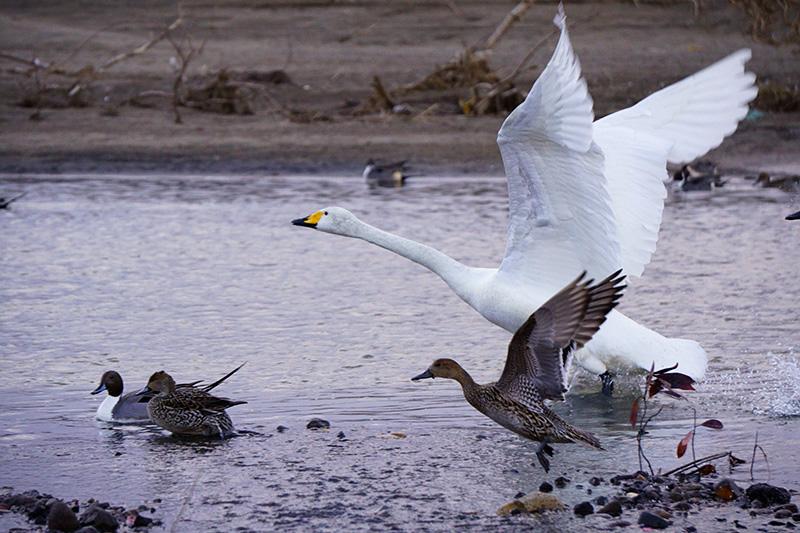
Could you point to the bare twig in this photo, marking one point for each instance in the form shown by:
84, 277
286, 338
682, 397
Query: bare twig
513, 16
753, 459
698, 462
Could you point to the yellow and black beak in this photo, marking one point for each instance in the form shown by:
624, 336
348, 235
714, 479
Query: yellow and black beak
310, 221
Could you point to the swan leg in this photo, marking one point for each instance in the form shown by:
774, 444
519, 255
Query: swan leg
607, 379
542, 451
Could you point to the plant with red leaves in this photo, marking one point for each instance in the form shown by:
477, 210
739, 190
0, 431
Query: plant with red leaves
663, 380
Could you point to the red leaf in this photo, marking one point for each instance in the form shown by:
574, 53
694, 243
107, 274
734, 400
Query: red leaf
684, 443
713, 424
654, 389
663, 370
635, 412
677, 380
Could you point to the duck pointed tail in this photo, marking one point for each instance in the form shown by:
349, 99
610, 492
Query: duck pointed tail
579, 435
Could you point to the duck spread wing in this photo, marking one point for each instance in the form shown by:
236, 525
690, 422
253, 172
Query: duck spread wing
560, 219
540, 349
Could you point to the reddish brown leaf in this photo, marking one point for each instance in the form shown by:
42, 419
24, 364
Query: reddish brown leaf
635, 412
684, 443
708, 469
713, 424
677, 380
663, 370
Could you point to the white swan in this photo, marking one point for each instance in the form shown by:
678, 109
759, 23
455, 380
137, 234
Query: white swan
584, 195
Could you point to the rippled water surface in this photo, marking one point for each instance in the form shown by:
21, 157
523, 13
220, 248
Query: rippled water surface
197, 274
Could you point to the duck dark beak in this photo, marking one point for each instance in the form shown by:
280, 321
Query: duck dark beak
793, 216
424, 375
99, 389
144, 391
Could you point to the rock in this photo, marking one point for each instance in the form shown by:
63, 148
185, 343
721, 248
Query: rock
95, 515
613, 508
601, 500
583, 509
682, 506
727, 490
341, 435
782, 513
318, 423
561, 482
648, 519
532, 503
790, 506
595, 481
796, 517
281, 429
768, 494
519, 495
62, 518
619, 523
545, 487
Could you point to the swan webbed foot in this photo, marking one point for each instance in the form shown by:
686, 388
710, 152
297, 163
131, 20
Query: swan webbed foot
542, 452
607, 379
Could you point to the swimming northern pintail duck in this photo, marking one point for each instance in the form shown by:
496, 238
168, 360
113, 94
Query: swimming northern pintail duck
132, 407
584, 195
535, 366
698, 176
188, 410
388, 175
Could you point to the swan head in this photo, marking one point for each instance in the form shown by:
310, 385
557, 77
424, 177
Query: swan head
442, 368
330, 220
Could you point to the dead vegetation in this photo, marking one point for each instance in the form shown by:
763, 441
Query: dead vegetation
777, 97
772, 21
47, 84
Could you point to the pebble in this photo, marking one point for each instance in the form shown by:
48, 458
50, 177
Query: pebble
727, 490
532, 503
595, 481
545, 487
561, 482
783, 513
767, 494
648, 519
62, 518
583, 509
318, 423
281, 429
95, 515
613, 508
619, 523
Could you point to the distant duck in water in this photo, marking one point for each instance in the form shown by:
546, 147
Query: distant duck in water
390, 175
5, 203
789, 183
535, 366
793, 216
698, 176
188, 411
132, 407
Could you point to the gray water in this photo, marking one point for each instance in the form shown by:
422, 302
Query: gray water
197, 274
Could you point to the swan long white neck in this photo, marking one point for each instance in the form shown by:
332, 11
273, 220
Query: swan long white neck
450, 270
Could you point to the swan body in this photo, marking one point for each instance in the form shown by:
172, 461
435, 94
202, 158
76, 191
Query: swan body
584, 195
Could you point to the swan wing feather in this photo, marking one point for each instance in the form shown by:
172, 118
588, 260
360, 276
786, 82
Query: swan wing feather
696, 113
560, 220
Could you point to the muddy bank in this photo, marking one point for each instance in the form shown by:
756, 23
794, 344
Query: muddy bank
329, 54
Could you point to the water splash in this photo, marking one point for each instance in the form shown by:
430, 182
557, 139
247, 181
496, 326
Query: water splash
782, 398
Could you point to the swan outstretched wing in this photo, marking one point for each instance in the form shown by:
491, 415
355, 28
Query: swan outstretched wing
696, 113
560, 219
